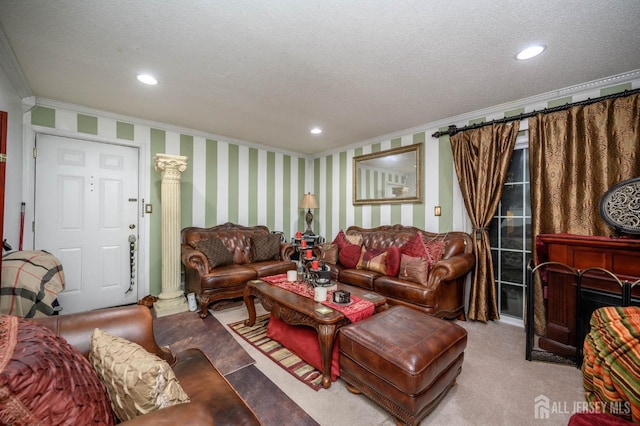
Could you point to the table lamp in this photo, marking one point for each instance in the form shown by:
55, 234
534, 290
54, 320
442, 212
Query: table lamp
309, 202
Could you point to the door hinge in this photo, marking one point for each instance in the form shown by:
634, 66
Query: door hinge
35, 152
33, 226
3, 158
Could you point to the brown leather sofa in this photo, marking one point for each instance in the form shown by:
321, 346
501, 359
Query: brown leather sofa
213, 399
444, 294
211, 284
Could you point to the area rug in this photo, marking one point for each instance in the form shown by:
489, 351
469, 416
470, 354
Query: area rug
256, 336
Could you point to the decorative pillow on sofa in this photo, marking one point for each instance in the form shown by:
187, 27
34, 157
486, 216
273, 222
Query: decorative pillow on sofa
342, 239
137, 381
414, 269
393, 261
349, 255
45, 380
415, 247
329, 253
265, 247
354, 239
435, 250
373, 260
216, 252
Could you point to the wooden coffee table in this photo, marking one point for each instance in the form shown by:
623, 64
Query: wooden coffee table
299, 310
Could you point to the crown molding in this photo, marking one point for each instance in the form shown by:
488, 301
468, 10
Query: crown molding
601, 83
529, 102
12, 68
52, 103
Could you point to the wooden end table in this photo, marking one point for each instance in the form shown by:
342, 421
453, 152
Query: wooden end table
299, 310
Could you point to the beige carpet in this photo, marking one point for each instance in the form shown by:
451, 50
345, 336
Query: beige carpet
497, 385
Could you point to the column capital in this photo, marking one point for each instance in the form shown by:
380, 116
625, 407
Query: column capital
173, 164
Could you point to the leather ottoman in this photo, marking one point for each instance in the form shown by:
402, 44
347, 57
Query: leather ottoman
403, 359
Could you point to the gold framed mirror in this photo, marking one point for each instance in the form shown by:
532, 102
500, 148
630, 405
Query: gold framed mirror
393, 176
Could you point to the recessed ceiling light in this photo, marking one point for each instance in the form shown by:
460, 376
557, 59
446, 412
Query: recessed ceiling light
530, 52
316, 130
147, 79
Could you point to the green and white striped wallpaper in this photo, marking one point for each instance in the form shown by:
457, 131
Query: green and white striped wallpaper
232, 182
223, 182
333, 186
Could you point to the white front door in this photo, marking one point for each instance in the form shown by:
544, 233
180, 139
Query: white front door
86, 205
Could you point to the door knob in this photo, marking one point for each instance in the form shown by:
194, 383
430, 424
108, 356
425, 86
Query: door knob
132, 226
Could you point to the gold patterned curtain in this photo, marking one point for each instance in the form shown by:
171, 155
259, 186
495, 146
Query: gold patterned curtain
482, 157
575, 155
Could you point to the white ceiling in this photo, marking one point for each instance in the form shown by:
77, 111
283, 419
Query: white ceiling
265, 72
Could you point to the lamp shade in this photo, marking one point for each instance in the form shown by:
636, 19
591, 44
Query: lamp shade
309, 202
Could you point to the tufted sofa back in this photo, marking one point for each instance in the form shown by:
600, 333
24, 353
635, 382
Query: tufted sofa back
396, 235
236, 238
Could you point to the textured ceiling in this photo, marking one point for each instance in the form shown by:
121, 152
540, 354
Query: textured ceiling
265, 72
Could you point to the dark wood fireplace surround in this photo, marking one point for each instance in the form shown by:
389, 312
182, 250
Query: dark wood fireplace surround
569, 310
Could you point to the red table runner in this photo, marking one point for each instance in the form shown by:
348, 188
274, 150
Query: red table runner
359, 309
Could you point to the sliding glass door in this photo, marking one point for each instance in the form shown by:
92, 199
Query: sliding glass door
510, 235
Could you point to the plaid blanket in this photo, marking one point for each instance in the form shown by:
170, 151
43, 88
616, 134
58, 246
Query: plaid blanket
611, 366
31, 281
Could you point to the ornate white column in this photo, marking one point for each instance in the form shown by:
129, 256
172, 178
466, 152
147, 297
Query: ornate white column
171, 300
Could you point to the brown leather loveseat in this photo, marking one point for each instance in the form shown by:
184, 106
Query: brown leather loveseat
213, 399
219, 261
443, 292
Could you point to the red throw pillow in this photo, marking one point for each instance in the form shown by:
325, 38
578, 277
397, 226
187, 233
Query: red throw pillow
435, 249
415, 247
340, 240
45, 380
349, 255
393, 261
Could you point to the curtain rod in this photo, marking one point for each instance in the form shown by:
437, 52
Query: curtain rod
452, 130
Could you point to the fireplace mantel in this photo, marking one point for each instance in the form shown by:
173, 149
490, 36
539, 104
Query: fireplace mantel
620, 256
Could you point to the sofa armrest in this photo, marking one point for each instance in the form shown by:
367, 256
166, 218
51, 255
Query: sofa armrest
196, 413
451, 268
133, 323
286, 251
194, 259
